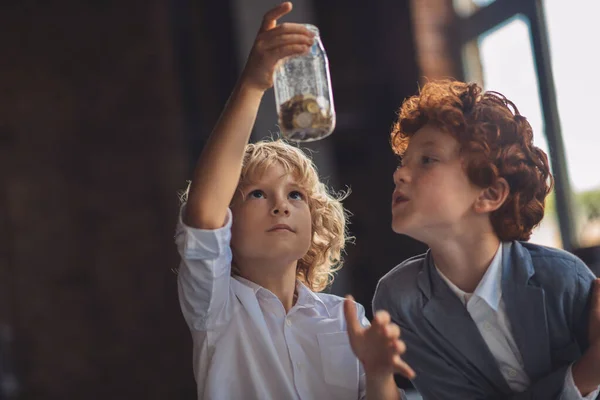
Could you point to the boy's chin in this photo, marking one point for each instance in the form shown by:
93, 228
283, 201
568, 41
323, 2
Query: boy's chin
400, 227
403, 229
285, 253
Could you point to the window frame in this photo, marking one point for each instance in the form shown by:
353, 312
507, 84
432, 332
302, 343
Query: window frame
490, 17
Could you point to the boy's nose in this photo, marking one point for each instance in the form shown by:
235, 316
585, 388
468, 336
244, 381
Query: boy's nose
400, 175
280, 211
281, 208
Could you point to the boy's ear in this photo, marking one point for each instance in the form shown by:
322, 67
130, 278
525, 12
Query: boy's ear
491, 198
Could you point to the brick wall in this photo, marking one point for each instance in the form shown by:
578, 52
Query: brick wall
91, 154
434, 27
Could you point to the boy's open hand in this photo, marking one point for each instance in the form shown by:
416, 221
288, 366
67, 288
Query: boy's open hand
273, 43
586, 370
594, 329
378, 347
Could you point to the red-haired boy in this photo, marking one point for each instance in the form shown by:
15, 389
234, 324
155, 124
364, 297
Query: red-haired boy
483, 313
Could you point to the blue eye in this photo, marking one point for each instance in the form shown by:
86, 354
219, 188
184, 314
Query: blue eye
256, 194
427, 160
296, 195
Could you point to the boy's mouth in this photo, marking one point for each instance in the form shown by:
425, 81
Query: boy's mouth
280, 227
399, 197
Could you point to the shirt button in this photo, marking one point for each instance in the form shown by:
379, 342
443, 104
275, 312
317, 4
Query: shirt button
512, 373
487, 326
288, 322
299, 365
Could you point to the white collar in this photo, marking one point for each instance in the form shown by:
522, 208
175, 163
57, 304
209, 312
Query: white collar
306, 297
489, 288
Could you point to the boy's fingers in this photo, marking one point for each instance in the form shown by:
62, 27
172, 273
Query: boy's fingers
399, 346
289, 50
382, 317
288, 39
595, 306
393, 331
287, 28
352, 325
271, 17
403, 368
594, 315
596, 292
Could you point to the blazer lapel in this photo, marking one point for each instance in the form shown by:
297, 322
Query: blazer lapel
446, 313
526, 310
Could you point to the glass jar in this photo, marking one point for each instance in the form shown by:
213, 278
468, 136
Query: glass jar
303, 94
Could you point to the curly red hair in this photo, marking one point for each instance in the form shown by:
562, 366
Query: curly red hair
496, 141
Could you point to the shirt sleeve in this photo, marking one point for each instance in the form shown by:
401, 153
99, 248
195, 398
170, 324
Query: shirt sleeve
570, 391
204, 274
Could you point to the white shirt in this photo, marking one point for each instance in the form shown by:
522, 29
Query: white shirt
487, 309
245, 346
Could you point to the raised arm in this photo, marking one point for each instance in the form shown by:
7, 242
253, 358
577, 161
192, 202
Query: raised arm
204, 232
218, 169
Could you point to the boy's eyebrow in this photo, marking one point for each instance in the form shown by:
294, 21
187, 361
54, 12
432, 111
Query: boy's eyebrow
430, 143
297, 185
425, 145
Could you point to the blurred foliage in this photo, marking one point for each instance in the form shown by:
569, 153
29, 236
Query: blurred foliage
589, 203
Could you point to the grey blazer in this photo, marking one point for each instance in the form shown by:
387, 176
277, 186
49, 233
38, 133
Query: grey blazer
547, 297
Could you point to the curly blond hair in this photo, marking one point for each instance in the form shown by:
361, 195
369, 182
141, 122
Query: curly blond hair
329, 218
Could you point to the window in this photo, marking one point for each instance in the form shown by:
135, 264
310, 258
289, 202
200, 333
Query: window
508, 46
575, 65
507, 65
